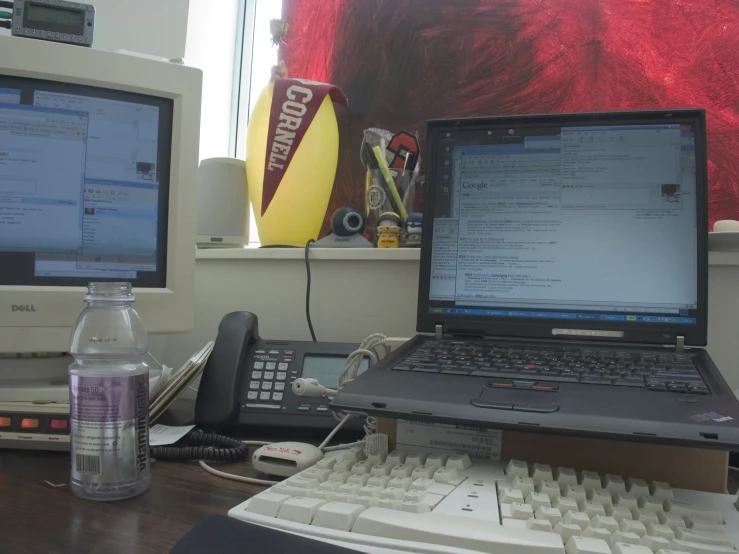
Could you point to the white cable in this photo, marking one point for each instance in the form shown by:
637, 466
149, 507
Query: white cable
240, 478
233, 477
343, 446
332, 433
732, 468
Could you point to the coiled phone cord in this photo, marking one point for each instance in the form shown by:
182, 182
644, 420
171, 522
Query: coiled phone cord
197, 445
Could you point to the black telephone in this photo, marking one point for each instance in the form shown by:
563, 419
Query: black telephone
247, 381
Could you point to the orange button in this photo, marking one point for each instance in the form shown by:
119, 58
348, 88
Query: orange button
28, 423
4, 422
58, 424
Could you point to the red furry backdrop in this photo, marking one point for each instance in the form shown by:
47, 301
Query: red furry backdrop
401, 62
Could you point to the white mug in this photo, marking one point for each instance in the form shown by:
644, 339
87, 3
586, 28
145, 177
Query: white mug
726, 226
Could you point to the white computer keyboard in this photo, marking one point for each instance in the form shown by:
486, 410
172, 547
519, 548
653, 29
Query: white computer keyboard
445, 504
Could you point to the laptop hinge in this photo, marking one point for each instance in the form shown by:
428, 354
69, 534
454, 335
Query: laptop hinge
438, 332
680, 343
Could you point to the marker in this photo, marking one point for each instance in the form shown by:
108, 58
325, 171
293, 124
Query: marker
390, 183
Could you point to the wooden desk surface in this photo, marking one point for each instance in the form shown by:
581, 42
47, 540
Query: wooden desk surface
38, 518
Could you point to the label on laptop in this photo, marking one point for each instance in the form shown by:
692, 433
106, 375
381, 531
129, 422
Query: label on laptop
477, 442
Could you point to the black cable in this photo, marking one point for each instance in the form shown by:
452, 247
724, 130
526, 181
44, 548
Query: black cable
6, 25
307, 289
8, 5
197, 445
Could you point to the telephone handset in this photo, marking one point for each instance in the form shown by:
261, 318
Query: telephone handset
247, 381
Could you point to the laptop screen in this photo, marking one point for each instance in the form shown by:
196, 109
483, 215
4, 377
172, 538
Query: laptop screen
582, 222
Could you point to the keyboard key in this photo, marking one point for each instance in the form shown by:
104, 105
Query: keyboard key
624, 537
287, 490
660, 490
699, 548
317, 473
577, 518
337, 515
432, 500
537, 500
422, 484
339, 476
626, 499
614, 484
379, 480
601, 496
595, 533
567, 530
358, 479
508, 495
419, 458
328, 486
644, 515
565, 504
423, 472
524, 484
699, 524
660, 530
349, 488
394, 493
402, 470
326, 463
585, 545
592, 508
459, 462
542, 472
624, 548
446, 530
631, 526
447, 476
377, 458
396, 457
539, 525
590, 480
440, 488
651, 503
344, 465
400, 482
414, 496
362, 467
415, 507
618, 512
550, 488
703, 537
267, 504
576, 492
673, 521
680, 509
604, 522
303, 482
353, 454
370, 490
300, 510
381, 469
389, 503
436, 459
550, 514
516, 468
566, 476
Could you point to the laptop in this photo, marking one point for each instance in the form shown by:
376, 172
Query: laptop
563, 283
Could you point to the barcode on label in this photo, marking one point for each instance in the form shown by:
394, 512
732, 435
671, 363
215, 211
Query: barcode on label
474, 450
87, 464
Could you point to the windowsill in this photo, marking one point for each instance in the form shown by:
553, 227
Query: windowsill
369, 254
253, 253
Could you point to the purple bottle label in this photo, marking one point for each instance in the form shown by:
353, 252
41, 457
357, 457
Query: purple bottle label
109, 428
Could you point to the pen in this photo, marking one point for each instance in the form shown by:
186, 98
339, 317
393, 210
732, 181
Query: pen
390, 183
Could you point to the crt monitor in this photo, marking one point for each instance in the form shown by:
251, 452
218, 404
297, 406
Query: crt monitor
98, 160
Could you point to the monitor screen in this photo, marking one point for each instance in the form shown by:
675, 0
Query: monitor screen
593, 222
84, 184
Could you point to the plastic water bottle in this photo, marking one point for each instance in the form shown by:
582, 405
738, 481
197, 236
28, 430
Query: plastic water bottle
109, 397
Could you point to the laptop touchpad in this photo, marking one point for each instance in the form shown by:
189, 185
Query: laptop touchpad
517, 400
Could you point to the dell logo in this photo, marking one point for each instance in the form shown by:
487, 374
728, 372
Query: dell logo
24, 308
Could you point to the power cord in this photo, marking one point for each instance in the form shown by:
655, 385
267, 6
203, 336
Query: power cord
6, 15
7, 5
307, 289
6, 25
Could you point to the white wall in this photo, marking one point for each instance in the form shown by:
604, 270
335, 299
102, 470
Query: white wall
155, 27
380, 297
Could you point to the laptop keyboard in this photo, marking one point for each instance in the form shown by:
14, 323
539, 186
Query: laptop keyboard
659, 372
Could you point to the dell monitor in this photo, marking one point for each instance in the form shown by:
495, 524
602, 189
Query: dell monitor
98, 163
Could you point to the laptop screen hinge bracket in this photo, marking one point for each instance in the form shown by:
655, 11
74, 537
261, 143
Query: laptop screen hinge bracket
438, 332
680, 344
